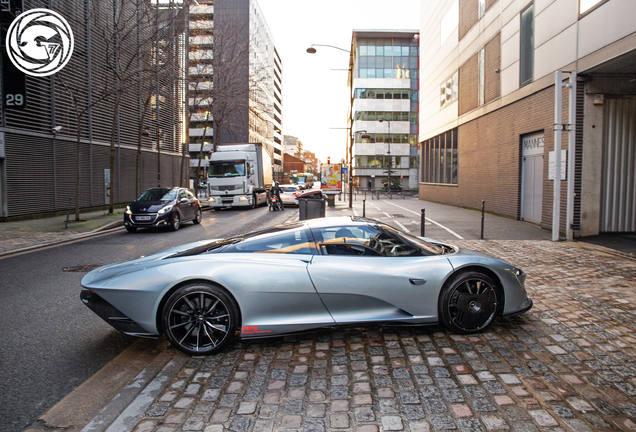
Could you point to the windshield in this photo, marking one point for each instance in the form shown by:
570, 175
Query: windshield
158, 195
227, 169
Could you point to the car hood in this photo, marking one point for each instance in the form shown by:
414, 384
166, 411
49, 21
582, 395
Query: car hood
115, 270
148, 206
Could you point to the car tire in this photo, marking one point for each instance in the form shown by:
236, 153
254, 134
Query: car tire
200, 318
254, 202
469, 302
131, 229
175, 221
198, 217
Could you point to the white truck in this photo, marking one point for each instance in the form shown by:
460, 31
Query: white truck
239, 175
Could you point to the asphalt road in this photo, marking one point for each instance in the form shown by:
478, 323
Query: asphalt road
51, 342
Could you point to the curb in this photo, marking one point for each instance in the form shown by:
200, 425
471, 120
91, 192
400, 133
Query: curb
106, 229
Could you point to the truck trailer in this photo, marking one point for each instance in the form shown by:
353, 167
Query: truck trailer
239, 175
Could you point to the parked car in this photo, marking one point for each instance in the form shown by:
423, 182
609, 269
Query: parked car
318, 273
162, 207
290, 193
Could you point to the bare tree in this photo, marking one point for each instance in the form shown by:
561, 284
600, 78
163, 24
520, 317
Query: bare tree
136, 50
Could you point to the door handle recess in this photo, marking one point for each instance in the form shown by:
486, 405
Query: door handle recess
417, 281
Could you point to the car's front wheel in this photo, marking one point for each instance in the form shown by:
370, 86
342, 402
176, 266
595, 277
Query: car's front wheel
468, 304
200, 319
176, 221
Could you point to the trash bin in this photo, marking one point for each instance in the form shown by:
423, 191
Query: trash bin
311, 208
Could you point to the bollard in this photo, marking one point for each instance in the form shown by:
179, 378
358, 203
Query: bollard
483, 206
423, 224
68, 213
364, 208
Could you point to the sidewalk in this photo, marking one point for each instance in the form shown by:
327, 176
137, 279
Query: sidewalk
26, 235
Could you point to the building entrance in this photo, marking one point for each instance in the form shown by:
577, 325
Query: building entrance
532, 177
618, 188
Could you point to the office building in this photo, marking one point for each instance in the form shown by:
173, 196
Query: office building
384, 84
487, 117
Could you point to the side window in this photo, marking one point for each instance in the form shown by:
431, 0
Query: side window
362, 240
189, 194
182, 194
285, 242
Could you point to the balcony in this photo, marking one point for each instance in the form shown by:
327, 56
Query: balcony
196, 148
198, 132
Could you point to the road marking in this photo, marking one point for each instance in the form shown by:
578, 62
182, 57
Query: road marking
355, 213
428, 219
388, 215
402, 226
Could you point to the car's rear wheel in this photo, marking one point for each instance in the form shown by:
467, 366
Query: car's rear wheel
131, 229
200, 319
197, 218
176, 221
468, 304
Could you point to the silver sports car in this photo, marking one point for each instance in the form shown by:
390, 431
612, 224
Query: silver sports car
318, 273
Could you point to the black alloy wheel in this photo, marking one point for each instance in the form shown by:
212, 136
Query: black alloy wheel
200, 319
198, 217
469, 302
176, 221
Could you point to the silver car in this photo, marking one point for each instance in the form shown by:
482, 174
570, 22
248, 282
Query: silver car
320, 273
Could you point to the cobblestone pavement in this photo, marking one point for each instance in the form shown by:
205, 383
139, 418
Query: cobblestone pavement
567, 365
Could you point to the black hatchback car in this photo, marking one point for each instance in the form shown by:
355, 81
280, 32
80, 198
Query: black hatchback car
162, 207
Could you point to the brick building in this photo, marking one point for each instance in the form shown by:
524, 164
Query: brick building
292, 165
487, 108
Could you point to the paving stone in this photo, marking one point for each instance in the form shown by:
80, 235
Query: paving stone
391, 423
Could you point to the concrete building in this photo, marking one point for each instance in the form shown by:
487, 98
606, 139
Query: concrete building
384, 85
235, 81
487, 95
42, 140
292, 146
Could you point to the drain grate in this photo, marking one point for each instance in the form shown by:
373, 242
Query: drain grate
397, 215
82, 269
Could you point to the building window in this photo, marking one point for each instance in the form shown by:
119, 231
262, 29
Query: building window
448, 90
482, 77
586, 5
387, 138
527, 46
363, 93
439, 158
386, 115
449, 22
482, 8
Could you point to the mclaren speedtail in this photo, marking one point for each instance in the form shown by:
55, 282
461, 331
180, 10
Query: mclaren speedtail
320, 273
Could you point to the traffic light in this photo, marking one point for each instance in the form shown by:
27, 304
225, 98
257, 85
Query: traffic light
328, 160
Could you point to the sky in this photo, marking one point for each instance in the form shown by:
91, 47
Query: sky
315, 92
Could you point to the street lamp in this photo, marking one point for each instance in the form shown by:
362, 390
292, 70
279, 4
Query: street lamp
388, 151
312, 50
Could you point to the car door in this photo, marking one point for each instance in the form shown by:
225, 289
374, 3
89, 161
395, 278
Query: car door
184, 206
268, 273
362, 280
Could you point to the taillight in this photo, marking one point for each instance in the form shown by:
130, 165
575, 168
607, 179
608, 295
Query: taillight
296, 194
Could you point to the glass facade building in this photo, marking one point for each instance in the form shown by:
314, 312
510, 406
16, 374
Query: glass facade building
384, 85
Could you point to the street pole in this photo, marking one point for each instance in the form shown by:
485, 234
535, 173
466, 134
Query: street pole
388, 152
158, 157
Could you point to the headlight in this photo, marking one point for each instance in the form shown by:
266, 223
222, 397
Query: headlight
211, 199
521, 276
128, 211
166, 209
243, 198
